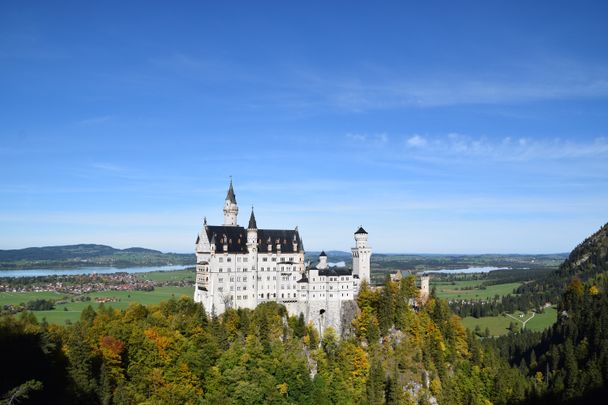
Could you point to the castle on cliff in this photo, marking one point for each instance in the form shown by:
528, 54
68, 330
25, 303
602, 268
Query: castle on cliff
239, 267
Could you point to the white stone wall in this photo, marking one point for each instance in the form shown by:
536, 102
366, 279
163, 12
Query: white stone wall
244, 280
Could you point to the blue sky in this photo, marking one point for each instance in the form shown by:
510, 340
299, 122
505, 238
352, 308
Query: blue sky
469, 127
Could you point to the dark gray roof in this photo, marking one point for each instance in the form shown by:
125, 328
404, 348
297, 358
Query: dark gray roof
230, 196
360, 230
233, 236
322, 253
236, 239
336, 271
252, 223
284, 237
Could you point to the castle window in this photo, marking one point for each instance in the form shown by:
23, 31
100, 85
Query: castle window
245, 259
291, 259
220, 289
220, 269
274, 259
245, 278
265, 259
221, 260
221, 279
244, 268
229, 259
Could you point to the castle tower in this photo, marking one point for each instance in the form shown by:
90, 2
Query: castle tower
424, 289
322, 261
361, 256
252, 233
231, 210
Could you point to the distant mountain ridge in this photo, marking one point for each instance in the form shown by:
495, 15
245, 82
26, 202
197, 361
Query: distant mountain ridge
89, 255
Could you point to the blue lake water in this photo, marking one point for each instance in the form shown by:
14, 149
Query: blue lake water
468, 270
87, 270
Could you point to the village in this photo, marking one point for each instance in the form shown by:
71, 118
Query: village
86, 283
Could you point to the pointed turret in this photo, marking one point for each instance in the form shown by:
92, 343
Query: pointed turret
252, 223
252, 233
322, 261
230, 195
231, 210
361, 231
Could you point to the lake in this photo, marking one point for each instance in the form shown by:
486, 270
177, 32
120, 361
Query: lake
468, 270
87, 270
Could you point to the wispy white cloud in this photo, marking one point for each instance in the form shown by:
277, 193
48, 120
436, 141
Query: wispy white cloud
544, 79
368, 139
455, 145
518, 148
416, 141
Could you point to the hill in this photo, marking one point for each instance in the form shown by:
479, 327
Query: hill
570, 360
586, 261
88, 255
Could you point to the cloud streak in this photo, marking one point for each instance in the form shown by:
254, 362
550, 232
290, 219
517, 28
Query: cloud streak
506, 149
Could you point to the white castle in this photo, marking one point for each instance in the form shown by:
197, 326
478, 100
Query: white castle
241, 268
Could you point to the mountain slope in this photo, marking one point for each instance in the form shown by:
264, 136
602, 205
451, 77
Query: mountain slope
88, 255
569, 361
586, 261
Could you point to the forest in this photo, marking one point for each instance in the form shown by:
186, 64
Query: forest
175, 353
393, 353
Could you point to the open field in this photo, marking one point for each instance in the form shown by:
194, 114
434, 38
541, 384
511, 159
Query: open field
16, 298
499, 325
454, 290
173, 275
71, 310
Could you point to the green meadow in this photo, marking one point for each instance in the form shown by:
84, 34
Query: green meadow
70, 311
173, 275
472, 289
499, 325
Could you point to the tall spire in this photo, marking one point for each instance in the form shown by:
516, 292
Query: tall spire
252, 223
230, 196
231, 210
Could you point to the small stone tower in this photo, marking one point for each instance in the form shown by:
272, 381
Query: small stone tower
252, 233
424, 289
231, 210
361, 256
322, 261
